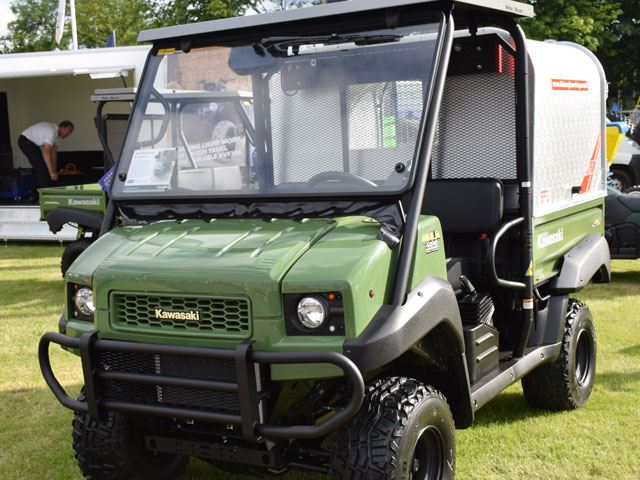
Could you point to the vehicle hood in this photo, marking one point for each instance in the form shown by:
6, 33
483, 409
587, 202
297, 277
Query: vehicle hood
235, 257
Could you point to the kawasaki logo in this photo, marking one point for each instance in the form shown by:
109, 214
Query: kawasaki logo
165, 314
546, 239
87, 202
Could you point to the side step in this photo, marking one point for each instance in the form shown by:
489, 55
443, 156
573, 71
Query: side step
510, 372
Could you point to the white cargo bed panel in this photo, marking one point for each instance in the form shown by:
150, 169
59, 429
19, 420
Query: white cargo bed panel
569, 156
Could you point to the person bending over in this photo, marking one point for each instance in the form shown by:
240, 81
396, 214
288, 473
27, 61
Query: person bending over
39, 143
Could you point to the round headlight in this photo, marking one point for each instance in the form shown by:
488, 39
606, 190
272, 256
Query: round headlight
84, 301
311, 312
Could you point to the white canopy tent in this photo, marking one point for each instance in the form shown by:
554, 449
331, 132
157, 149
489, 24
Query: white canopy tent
54, 86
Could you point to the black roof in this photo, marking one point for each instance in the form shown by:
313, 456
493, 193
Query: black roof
324, 12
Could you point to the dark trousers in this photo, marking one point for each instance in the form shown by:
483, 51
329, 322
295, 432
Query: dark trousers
34, 154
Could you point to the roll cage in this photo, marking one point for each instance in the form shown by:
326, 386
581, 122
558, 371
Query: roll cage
353, 16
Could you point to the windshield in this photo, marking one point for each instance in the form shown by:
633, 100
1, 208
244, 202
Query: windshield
284, 116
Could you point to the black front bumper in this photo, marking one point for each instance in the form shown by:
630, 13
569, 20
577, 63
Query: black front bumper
247, 385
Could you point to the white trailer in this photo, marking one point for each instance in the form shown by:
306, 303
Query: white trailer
55, 86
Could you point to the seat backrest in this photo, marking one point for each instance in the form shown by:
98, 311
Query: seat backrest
465, 205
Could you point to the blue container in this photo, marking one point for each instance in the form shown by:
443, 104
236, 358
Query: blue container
19, 184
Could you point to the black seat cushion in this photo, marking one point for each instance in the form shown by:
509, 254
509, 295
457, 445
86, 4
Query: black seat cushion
632, 202
473, 205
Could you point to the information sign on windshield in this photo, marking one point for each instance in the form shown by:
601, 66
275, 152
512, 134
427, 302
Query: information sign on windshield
151, 169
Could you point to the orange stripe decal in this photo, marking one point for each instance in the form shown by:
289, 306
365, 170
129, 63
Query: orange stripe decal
566, 85
586, 181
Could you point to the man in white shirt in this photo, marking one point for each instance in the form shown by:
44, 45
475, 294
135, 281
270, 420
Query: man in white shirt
39, 143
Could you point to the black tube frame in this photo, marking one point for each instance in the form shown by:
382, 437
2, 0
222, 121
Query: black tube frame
491, 260
523, 156
245, 360
108, 157
423, 157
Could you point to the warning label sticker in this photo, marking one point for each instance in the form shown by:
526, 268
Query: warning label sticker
431, 241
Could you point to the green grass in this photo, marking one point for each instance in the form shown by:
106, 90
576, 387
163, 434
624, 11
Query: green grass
508, 439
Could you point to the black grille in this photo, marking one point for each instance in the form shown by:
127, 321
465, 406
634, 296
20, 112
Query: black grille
171, 366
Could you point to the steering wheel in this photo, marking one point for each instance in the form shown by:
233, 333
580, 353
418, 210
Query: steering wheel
342, 177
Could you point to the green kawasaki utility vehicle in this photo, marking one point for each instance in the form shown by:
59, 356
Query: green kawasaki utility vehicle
371, 232
80, 205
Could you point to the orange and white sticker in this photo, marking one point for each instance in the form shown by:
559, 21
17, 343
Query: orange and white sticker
585, 186
569, 85
545, 195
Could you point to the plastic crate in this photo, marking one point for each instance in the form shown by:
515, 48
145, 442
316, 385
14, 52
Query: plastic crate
615, 134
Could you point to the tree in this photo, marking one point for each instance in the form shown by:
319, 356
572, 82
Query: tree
622, 63
33, 29
586, 22
34, 26
178, 12
190, 11
96, 21
275, 5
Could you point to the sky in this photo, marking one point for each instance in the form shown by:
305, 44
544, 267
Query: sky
5, 16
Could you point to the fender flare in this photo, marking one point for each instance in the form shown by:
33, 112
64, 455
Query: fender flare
394, 330
88, 219
590, 258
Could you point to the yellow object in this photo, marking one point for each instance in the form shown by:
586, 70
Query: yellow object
615, 134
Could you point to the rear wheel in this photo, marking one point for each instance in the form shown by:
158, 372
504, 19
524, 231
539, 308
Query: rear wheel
114, 449
404, 430
566, 384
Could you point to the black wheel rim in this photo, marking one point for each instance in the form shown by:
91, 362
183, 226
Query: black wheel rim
428, 459
584, 362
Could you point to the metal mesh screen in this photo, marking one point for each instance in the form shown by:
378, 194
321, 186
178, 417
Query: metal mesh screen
383, 120
150, 128
367, 129
115, 129
475, 137
306, 132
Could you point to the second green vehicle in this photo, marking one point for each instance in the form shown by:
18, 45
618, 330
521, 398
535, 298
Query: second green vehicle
333, 235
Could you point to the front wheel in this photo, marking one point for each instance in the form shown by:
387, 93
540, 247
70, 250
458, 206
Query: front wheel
73, 251
403, 431
114, 449
566, 384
